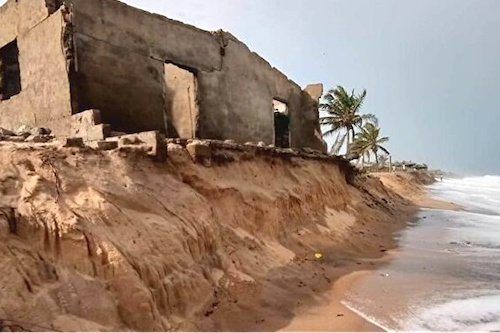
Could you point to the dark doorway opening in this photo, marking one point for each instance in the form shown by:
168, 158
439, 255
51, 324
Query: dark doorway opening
281, 124
10, 75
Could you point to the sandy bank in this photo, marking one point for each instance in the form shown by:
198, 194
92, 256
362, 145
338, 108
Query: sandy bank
95, 240
331, 314
411, 185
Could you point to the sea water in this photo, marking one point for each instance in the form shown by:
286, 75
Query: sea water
446, 274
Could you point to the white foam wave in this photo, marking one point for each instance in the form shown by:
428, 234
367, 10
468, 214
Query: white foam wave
462, 281
480, 194
481, 313
479, 228
367, 317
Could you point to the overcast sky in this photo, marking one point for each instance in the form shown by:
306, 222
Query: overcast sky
431, 68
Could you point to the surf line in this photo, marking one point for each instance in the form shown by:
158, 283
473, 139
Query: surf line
366, 317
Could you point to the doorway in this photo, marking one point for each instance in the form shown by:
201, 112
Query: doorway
181, 102
281, 124
10, 73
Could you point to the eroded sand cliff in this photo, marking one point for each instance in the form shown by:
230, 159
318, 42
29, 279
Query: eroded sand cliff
94, 240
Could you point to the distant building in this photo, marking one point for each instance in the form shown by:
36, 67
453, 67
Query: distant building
144, 72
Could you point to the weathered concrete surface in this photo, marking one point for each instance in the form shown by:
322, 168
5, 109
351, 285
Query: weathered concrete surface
117, 65
127, 87
73, 142
199, 150
242, 108
45, 97
315, 91
18, 17
88, 126
152, 142
310, 104
9, 21
106, 145
84, 120
126, 48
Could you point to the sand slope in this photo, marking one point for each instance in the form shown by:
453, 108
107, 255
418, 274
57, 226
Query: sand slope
96, 240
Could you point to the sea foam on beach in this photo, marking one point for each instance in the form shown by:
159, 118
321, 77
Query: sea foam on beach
446, 274
473, 302
476, 194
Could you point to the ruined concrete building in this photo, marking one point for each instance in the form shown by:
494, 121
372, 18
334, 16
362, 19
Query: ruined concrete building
144, 72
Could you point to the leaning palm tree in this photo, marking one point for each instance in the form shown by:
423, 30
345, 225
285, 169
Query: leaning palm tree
369, 141
343, 115
383, 158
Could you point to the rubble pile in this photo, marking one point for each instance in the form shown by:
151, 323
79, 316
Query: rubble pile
27, 134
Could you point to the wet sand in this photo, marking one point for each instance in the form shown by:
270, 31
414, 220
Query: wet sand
368, 280
331, 315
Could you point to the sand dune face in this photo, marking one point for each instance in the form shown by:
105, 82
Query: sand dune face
96, 240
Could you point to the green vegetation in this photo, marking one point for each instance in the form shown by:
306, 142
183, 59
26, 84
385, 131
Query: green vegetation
343, 116
383, 159
368, 141
359, 131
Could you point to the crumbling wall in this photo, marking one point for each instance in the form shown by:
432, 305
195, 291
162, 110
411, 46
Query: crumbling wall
310, 129
8, 20
103, 54
45, 91
121, 54
242, 109
126, 86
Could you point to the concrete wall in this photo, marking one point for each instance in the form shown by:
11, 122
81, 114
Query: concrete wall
126, 86
9, 18
118, 66
45, 97
121, 54
243, 109
310, 119
17, 17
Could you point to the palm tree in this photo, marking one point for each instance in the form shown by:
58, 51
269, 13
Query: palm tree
369, 141
383, 158
343, 114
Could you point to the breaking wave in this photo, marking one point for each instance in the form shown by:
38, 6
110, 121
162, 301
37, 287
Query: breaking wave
479, 313
475, 233
457, 265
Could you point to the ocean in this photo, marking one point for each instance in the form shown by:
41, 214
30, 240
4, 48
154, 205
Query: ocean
446, 274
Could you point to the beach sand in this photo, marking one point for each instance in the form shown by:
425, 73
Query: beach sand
331, 315
361, 279
179, 246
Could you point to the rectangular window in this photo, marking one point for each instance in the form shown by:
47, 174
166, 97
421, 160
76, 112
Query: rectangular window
10, 76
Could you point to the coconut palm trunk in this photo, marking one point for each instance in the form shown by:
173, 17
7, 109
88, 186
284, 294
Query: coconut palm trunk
348, 142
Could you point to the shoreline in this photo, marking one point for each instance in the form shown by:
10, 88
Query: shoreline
333, 314
296, 229
341, 318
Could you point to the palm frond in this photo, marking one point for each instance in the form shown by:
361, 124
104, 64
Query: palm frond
384, 150
370, 118
329, 132
358, 100
327, 120
383, 140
